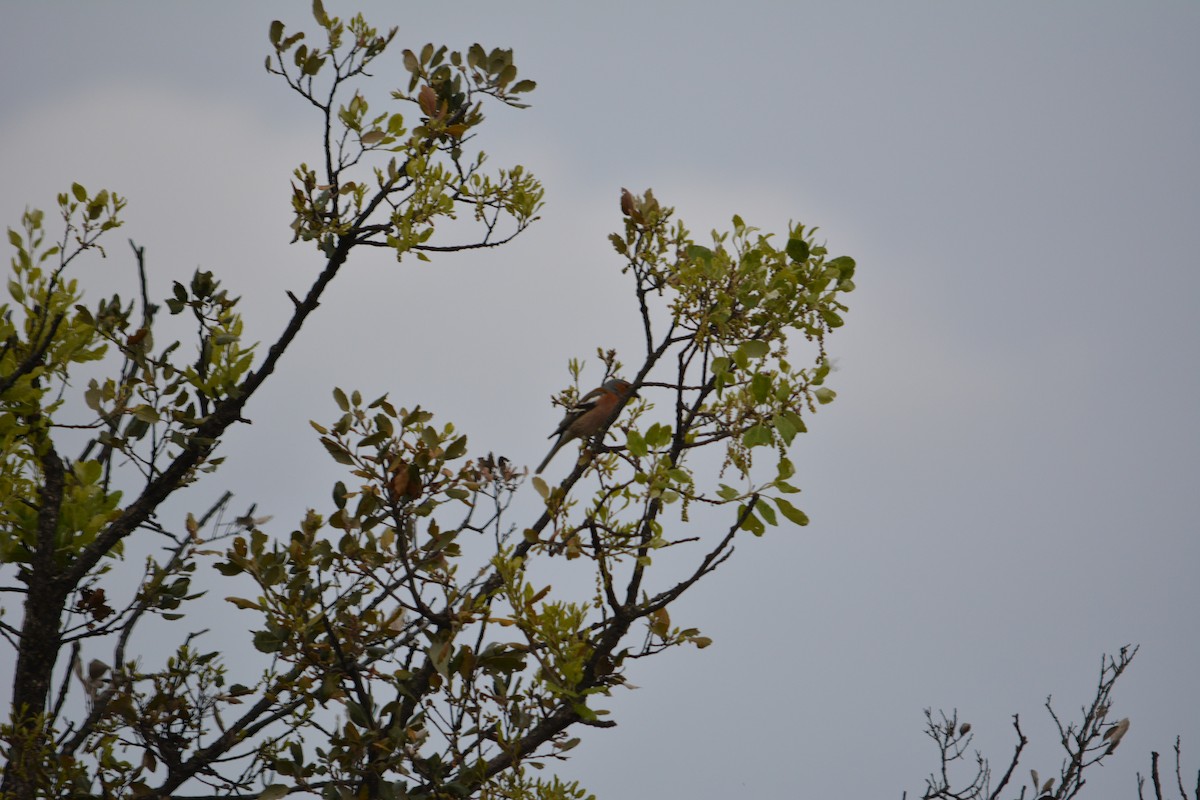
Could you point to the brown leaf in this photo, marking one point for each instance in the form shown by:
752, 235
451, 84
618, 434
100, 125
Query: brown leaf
94, 602
627, 206
400, 480
427, 99
406, 481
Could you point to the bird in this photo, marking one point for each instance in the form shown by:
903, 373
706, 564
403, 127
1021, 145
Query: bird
593, 411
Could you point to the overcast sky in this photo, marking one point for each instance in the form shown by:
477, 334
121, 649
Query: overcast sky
1006, 486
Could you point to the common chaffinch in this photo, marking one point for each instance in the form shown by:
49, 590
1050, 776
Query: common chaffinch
591, 413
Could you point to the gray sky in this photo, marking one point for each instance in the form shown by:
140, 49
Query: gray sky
1004, 489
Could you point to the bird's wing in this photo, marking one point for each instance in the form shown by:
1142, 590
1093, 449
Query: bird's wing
581, 407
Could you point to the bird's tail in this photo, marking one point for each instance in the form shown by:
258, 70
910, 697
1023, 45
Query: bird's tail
549, 456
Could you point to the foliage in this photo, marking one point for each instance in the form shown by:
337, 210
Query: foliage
414, 648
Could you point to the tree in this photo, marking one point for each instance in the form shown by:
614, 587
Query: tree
1085, 744
415, 651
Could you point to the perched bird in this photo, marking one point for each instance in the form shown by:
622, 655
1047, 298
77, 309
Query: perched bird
593, 411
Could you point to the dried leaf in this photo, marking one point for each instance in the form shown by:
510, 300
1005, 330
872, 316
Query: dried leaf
427, 99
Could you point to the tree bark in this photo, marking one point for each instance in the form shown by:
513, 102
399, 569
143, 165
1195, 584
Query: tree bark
41, 638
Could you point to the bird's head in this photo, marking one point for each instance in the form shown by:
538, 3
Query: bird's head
619, 387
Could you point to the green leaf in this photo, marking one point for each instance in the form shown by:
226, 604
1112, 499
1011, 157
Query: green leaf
680, 476
797, 250
79, 192
287, 43
751, 523
658, 435
795, 420
339, 453
383, 422
313, 64
825, 395
227, 569
339, 397
147, 414
430, 437
318, 10
755, 349
785, 468
760, 387
266, 642
757, 436
88, 471
790, 511
137, 428
457, 448
785, 429
636, 444
275, 33
832, 319
586, 714
372, 439
357, 715
843, 264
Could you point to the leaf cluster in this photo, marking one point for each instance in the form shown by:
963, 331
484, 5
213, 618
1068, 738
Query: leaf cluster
149, 417
382, 184
413, 646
